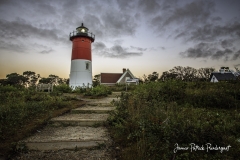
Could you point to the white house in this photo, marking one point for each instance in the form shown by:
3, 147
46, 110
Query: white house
111, 79
223, 75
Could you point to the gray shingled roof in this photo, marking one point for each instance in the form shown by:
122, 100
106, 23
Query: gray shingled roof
223, 76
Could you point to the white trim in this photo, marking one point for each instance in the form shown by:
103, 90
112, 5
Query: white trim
214, 79
127, 71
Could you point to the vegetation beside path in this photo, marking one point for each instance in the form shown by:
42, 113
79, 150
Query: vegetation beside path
23, 111
178, 120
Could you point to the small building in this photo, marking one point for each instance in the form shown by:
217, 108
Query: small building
111, 79
222, 75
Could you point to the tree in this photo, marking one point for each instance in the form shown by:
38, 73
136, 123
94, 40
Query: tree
167, 76
51, 79
184, 73
204, 73
187, 74
96, 80
3, 82
45, 80
16, 79
32, 77
151, 77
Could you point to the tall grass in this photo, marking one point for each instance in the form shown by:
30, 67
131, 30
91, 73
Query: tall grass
20, 106
151, 120
100, 90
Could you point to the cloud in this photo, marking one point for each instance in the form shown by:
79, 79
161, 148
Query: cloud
99, 46
11, 46
115, 51
21, 29
209, 32
118, 24
46, 51
237, 65
226, 43
138, 48
211, 50
182, 16
42, 49
236, 55
126, 5
201, 50
24, 34
149, 7
222, 54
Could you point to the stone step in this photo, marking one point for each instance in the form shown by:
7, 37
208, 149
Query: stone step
115, 94
92, 109
79, 119
100, 102
57, 138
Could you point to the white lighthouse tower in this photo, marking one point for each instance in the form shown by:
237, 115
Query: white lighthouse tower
81, 63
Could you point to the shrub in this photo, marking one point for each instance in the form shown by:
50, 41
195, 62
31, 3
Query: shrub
100, 90
122, 87
152, 119
64, 88
80, 90
18, 107
8, 88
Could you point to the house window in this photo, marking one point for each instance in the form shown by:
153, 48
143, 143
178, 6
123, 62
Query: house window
127, 79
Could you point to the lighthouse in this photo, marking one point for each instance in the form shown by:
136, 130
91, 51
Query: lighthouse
81, 61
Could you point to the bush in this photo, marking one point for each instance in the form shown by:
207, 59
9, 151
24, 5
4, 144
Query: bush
122, 87
8, 88
18, 107
152, 119
64, 88
100, 90
80, 90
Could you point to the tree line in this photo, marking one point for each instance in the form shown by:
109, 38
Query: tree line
30, 78
181, 73
187, 74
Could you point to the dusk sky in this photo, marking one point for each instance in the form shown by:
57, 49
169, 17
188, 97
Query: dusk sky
142, 35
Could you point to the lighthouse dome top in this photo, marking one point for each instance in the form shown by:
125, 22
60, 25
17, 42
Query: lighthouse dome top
82, 31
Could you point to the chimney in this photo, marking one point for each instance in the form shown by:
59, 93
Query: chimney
222, 70
124, 70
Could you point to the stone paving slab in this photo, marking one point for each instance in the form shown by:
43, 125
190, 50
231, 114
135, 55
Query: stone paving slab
52, 138
69, 133
81, 117
82, 154
100, 101
92, 109
63, 145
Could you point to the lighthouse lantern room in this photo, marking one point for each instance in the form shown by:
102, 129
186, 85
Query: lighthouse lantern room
81, 61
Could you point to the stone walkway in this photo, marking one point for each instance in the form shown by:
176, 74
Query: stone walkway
78, 135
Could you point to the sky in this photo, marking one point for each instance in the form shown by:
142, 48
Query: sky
143, 35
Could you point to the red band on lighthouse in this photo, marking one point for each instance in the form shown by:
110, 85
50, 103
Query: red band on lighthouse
81, 48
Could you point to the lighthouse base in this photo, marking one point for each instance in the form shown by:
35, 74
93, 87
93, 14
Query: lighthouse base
81, 74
